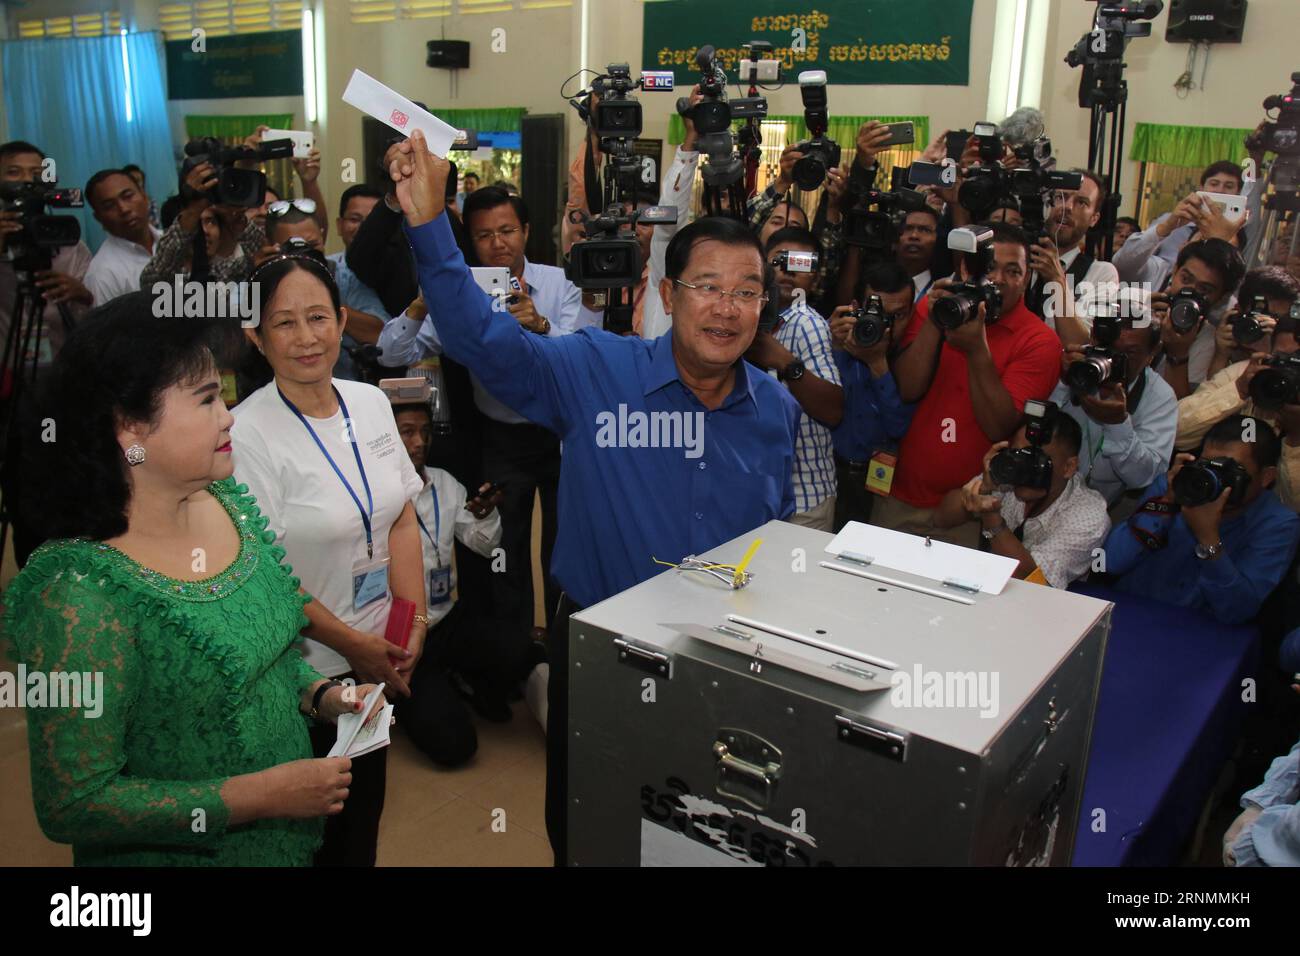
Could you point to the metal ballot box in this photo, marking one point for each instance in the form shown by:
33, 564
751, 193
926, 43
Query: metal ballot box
819, 717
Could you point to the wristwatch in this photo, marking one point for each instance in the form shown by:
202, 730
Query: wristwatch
320, 695
543, 327
1210, 553
792, 372
990, 533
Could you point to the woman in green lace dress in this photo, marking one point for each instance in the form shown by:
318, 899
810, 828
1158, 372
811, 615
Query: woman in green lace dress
160, 577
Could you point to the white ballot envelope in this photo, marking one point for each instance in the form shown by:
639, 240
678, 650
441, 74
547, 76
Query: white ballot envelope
963, 568
362, 732
388, 106
303, 142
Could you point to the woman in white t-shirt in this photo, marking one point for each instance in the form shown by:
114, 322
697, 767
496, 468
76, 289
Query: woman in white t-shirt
338, 501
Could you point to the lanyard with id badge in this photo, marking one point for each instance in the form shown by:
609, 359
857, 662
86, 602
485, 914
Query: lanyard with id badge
369, 577
439, 575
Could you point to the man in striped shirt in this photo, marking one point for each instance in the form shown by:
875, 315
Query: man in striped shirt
798, 350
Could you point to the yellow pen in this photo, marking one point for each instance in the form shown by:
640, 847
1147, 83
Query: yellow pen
739, 576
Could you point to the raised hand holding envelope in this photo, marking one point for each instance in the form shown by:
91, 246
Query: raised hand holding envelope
390, 107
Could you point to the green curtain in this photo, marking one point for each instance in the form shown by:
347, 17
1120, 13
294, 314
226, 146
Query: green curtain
504, 120
234, 127
842, 129
1186, 145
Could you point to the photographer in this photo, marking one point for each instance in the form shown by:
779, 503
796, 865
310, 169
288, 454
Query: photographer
61, 285
1053, 524
1165, 238
1125, 226
1128, 426
1206, 274
1229, 391
1061, 266
1263, 303
875, 418
971, 384
1222, 555
798, 350
714, 290
122, 208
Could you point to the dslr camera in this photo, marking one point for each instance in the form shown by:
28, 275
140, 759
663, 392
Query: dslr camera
235, 186
962, 305
820, 154
871, 323
1101, 364
31, 249
1031, 466
874, 220
1278, 383
1246, 326
1187, 308
1202, 481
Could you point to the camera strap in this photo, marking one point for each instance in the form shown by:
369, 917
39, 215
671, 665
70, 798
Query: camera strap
1036, 296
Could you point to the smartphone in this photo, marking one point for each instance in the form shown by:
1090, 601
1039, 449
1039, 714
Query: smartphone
930, 174
415, 389
955, 142
900, 133
1232, 207
494, 280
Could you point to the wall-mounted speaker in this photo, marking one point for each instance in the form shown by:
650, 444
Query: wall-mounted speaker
448, 54
1218, 21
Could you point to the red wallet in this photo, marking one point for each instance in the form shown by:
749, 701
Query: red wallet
400, 618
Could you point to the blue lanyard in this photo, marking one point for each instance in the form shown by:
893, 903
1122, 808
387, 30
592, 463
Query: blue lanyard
437, 525
921, 295
366, 515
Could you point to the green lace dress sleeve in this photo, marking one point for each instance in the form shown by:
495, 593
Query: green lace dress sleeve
78, 753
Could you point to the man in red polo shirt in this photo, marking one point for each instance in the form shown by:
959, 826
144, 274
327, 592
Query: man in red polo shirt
971, 384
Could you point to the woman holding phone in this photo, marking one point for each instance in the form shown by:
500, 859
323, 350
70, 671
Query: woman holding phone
326, 462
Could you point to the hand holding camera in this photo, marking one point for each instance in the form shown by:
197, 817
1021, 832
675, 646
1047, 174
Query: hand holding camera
60, 287
1109, 406
1203, 488
866, 332
977, 496
520, 305
1180, 317
1045, 259
308, 169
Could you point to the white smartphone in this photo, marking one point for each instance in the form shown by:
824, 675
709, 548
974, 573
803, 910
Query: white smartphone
1231, 207
303, 142
494, 280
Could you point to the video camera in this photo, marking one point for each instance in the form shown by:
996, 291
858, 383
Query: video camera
1202, 481
1278, 383
1101, 364
819, 153
712, 117
1031, 466
31, 249
873, 221
1101, 50
962, 305
235, 186
1282, 136
1032, 185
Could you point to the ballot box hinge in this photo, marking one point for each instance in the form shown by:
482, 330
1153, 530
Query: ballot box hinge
644, 657
887, 743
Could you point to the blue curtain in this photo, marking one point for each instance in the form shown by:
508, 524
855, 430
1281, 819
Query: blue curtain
92, 103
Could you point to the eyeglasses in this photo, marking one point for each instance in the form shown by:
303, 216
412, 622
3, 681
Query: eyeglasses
508, 233
707, 292
281, 206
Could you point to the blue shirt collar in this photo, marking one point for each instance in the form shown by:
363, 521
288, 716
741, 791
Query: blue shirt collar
663, 371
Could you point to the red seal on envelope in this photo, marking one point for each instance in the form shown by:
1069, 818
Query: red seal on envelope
399, 118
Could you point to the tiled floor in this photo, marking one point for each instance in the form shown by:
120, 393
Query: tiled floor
432, 817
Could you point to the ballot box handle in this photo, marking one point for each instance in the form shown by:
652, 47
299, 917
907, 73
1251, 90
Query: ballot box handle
747, 767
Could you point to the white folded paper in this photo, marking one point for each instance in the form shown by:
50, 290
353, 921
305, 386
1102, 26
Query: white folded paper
303, 142
392, 108
936, 560
365, 730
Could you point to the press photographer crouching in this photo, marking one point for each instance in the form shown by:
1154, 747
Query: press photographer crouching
1031, 502
1257, 383
1128, 414
1211, 535
875, 417
797, 348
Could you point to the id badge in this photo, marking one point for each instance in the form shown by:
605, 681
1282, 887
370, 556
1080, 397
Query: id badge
880, 473
369, 582
439, 585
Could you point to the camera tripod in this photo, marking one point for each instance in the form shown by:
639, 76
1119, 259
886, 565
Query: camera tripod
26, 327
1284, 179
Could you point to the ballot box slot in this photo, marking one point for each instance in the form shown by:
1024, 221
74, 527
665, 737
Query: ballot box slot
958, 592
811, 641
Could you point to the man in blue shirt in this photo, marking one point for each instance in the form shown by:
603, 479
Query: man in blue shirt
875, 417
1220, 557
617, 401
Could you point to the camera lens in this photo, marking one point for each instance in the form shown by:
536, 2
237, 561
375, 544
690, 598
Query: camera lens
810, 171
1247, 329
1196, 484
1004, 469
868, 330
1275, 387
1184, 314
952, 311
1086, 375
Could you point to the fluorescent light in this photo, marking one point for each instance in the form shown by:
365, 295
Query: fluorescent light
126, 75
1017, 55
309, 64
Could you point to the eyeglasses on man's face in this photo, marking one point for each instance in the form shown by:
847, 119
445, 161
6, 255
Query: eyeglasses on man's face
711, 294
